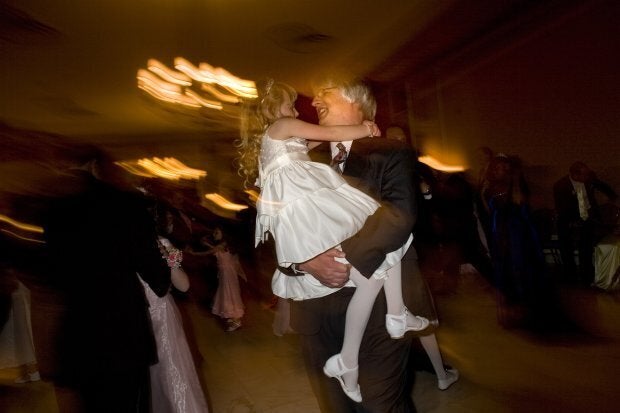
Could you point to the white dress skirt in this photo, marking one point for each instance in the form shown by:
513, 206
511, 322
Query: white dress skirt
308, 208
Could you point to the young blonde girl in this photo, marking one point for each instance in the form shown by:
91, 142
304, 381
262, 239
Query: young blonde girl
309, 208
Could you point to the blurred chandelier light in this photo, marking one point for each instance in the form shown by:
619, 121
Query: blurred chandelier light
21, 225
205, 73
14, 235
435, 164
167, 168
194, 86
222, 202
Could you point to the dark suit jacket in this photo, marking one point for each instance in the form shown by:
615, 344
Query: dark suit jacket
567, 205
99, 239
382, 168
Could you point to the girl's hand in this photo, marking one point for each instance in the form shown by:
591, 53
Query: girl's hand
373, 129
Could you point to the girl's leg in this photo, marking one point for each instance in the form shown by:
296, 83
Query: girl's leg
358, 313
396, 305
429, 343
394, 291
445, 377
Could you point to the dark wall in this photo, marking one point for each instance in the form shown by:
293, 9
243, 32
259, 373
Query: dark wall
550, 95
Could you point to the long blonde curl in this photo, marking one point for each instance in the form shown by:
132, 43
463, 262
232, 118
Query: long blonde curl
257, 115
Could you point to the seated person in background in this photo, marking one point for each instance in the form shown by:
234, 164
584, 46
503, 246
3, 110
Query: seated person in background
579, 222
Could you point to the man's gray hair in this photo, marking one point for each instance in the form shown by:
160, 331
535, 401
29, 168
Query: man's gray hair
354, 91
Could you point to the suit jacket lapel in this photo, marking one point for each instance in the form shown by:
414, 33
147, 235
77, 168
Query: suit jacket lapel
355, 163
357, 168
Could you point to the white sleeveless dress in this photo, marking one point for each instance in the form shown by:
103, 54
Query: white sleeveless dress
308, 208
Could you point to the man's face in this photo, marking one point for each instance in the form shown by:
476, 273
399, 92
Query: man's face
333, 109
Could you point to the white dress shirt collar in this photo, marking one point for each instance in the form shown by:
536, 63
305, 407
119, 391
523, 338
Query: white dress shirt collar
347, 144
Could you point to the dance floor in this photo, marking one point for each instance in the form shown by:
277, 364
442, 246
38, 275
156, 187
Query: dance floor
571, 368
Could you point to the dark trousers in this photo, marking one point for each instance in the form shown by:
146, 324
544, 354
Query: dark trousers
577, 235
384, 377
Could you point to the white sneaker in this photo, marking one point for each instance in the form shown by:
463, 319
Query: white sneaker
452, 375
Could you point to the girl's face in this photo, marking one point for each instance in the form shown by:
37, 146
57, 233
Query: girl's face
287, 108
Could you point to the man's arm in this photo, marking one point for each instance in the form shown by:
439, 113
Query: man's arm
390, 226
385, 231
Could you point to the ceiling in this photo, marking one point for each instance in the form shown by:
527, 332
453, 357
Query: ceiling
69, 68
68, 71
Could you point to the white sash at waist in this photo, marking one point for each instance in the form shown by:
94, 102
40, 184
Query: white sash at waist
283, 160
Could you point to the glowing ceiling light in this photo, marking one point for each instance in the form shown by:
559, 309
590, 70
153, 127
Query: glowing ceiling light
204, 102
221, 96
175, 166
175, 86
167, 168
168, 74
222, 202
21, 225
246, 88
192, 71
157, 83
206, 73
135, 169
435, 164
156, 94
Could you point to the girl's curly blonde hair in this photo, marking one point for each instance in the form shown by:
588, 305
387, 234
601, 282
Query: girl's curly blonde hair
257, 115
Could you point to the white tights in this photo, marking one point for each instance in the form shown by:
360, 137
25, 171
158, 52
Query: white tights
360, 307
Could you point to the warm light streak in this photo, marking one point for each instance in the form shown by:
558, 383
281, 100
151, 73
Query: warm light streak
221, 96
167, 168
252, 194
168, 74
175, 166
162, 90
206, 73
204, 102
175, 86
222, 202
21, 237
21, 225
436, 164
156, 94
157, 83
136, 170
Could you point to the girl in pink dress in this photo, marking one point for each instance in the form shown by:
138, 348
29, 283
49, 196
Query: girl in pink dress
227, 302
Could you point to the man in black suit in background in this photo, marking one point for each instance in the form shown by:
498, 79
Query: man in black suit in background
383, 168
100, 238
579, 219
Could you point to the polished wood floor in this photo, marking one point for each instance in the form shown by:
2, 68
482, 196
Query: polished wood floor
571, 368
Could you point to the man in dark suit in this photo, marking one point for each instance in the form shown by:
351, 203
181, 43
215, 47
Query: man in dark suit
579, 220
383, 169
100, 239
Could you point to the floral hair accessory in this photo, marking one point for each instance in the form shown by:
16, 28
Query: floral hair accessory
268, 86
